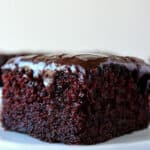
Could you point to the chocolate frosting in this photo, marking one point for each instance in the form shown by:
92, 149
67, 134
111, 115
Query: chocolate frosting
89, 60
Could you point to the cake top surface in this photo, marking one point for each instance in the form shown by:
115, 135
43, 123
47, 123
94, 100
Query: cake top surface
85, 60
60, 61
63, 58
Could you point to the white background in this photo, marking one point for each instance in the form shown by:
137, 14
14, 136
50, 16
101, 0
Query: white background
115, 25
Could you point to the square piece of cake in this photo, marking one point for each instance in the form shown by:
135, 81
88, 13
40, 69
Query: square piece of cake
75, 99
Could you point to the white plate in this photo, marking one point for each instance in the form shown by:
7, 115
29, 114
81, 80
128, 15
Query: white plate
16, 141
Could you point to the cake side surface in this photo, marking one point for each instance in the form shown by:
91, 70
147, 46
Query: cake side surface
48, 109
75, 99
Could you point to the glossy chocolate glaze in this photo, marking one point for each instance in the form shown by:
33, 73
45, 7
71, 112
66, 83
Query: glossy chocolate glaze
85, 60
55, 62
89, 60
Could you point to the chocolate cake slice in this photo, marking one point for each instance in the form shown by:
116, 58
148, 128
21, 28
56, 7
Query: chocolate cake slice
75, 99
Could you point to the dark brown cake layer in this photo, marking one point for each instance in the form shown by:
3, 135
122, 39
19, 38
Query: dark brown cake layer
75, 99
